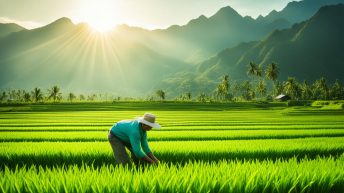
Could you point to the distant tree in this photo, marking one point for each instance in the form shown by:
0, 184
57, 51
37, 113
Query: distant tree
222, 90
188, 96
255, 69
12, 95
236, 88
161, 94
92, 97
81, 97
291, 88
37, 95
272, 72
252, 69
55, 94
3, 96
71, 96
277, 88
261, 88
202, 98
321, 90
246, 90
184, 97
306, 92
27, 97
337, 91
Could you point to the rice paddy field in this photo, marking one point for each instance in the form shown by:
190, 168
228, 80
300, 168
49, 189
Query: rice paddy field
217, 147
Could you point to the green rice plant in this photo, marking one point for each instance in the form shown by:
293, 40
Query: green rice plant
59, 153
321, 175
177, 135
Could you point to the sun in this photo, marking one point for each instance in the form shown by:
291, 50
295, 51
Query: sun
101, 15
101, 24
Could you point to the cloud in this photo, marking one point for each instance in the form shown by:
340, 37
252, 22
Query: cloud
26, 24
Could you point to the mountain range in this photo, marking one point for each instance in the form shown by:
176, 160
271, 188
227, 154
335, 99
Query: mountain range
135, 61
307, 51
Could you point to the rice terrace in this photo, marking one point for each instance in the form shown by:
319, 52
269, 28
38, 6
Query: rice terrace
220, 147
163, 96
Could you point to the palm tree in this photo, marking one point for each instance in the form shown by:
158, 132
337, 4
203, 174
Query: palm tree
188, 95
81, 97
246, 90
337, 91
222, 90
277, 88
202, 98
71, 96
306, 92
261, 88
37, 95
255, 69
272, 72
161, 94
3, 96
27, 97
321, 90
291, 88
252, 69
55, 93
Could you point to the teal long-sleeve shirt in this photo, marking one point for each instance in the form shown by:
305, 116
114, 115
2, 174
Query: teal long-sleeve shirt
131, 133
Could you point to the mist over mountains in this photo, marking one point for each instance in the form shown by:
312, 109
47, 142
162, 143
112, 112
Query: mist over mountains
135, 61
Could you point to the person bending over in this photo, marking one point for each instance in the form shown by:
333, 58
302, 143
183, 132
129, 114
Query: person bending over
132, 134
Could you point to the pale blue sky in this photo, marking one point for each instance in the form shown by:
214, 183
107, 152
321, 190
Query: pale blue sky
145, 13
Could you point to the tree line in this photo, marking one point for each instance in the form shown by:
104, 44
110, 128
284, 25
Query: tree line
54, 94
261, 85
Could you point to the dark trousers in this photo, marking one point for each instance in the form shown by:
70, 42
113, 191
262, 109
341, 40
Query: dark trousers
120, 153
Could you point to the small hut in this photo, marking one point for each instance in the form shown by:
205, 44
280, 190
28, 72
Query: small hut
282, 97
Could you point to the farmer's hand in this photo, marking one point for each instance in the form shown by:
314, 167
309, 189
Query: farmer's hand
151, 155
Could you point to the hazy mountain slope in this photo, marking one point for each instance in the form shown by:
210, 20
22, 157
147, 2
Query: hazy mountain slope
81, 60
308, 50
7, 28
204, 37
298, 11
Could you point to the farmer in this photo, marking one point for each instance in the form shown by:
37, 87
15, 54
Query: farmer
133, 135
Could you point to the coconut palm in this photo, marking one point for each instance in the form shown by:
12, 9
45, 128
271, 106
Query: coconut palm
291, 88
252, 69
188, 95
272, 72
306, 92
278, 88
246, 90
222, 90
37, 95
81, 97
321, 90
3, 96
336, 91
261, 88
202, 97
161, 94
26, 97
55, 94
71, 96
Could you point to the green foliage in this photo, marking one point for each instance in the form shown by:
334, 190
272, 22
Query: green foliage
292, 103
203, 147
248, 176
161, 94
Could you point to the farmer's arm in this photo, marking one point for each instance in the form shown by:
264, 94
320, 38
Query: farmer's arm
146, 149
135, 145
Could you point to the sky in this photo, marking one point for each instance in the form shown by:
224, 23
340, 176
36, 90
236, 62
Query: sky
103, 14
